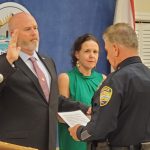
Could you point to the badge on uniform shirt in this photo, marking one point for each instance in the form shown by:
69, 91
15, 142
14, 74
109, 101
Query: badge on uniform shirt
105, 95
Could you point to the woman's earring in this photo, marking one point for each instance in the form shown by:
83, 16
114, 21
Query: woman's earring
77, 64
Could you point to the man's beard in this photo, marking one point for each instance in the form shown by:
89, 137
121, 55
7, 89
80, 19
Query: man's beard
31, 46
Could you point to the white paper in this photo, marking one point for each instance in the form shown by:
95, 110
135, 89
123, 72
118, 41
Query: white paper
74, 117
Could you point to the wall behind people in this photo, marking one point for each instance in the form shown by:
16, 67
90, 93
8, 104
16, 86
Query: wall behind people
61, 21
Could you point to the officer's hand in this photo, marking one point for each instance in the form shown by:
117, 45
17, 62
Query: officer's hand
13, 51
73, 131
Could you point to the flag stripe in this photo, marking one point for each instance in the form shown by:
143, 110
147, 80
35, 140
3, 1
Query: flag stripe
124, 12
133, 12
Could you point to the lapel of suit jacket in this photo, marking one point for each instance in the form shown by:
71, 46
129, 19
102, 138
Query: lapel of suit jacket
49, 66
24, 68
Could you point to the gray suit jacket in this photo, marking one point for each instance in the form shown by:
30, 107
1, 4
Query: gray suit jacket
25, 116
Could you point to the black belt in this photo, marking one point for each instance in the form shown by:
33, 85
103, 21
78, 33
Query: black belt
142, 146
106, 146
131, 147
98, 146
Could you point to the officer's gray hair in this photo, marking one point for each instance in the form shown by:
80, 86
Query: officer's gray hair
123, 34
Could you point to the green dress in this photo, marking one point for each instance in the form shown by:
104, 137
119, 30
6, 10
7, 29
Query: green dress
82, 89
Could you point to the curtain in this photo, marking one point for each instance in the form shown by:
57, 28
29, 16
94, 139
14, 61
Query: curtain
62, 21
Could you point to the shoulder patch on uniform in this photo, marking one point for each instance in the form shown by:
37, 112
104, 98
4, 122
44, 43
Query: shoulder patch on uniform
105, 95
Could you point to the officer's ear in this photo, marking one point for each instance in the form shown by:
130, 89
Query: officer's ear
116, 49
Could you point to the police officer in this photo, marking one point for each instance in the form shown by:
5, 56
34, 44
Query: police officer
121, 106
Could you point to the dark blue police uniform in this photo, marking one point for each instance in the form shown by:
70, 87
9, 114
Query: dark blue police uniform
121, 108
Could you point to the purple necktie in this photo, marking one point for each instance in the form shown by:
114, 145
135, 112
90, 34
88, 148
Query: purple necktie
41, 78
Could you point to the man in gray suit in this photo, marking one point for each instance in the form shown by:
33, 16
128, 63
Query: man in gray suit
28, 118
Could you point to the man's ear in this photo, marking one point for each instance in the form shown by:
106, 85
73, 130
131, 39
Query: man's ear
116, 49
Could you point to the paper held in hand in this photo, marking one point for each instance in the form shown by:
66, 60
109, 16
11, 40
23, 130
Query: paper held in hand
74, 117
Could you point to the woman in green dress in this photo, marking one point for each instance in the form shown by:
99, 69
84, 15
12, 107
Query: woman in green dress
80, 83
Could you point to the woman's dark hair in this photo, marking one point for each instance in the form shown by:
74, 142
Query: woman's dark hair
78, 43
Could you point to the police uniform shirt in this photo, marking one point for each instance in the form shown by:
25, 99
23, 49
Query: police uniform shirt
121, 107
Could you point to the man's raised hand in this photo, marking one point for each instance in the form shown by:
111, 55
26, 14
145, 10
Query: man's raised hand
13, 50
